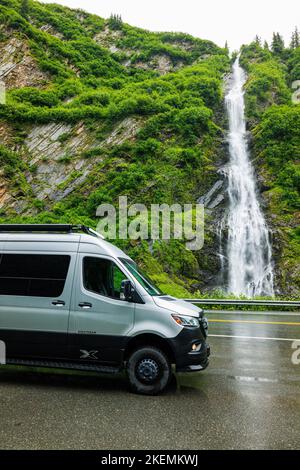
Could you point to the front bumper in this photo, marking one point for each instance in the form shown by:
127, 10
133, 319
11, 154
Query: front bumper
199, 361
186, 359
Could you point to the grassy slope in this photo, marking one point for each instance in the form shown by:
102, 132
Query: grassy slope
275, 125
173, 157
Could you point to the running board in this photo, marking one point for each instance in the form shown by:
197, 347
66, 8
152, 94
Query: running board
64, 365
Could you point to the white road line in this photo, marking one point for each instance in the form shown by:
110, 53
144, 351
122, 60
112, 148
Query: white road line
254, 337
244, 378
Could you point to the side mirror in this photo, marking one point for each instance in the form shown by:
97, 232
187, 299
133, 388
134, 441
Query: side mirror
127, 290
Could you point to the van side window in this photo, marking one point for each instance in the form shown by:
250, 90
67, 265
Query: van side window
33, 275
102, 276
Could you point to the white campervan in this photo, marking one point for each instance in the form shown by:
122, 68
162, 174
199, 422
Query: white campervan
69, 299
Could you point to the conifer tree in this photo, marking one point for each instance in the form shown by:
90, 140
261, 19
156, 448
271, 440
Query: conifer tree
295, 41
277, 44
257, 40
24, 8
115, 21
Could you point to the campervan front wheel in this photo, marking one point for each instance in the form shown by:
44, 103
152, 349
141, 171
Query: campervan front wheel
149, 370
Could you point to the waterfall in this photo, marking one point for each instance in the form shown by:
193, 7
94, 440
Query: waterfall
248, 251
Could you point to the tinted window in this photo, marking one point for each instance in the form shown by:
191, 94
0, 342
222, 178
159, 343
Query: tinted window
143, 279
102, 277
33, 275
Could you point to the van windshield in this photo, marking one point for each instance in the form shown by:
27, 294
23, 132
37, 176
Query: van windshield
141, 277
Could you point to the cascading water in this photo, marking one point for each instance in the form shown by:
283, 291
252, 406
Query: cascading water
249, 252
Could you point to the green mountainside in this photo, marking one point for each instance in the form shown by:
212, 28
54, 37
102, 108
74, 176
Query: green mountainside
96, 109
274, 122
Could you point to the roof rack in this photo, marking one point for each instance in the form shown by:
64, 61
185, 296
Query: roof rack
48, 228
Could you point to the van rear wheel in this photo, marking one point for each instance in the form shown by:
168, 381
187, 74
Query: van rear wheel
149, 370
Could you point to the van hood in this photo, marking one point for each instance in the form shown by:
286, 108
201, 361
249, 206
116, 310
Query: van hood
177, 306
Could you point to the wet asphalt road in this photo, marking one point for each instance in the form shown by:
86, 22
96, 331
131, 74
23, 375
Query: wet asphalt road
248, 398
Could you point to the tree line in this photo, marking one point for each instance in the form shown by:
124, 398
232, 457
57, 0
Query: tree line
277, 45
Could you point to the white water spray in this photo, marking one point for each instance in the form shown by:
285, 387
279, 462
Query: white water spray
249, 252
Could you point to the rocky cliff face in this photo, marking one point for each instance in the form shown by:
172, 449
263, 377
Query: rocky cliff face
17, 67
56, 150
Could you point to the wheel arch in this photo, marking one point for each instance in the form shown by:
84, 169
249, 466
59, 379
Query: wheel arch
149, 339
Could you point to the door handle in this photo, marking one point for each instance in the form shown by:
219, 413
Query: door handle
85, 305
58, 303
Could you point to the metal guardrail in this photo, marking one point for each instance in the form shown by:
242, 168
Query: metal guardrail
264, 303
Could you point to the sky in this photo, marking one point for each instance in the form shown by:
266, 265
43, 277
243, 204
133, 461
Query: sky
237, 21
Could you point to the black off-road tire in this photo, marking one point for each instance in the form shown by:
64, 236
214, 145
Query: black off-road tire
149, 370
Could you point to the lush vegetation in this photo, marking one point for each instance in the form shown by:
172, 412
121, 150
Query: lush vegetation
96, 74
171, 159
275, 124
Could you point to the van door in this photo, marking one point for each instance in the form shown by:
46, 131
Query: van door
100, 320
35, 294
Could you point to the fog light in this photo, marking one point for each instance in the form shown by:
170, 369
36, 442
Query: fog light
196, 347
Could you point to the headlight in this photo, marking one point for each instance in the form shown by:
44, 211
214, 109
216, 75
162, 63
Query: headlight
182, 320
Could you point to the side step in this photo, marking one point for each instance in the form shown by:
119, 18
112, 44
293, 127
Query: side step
64, 365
